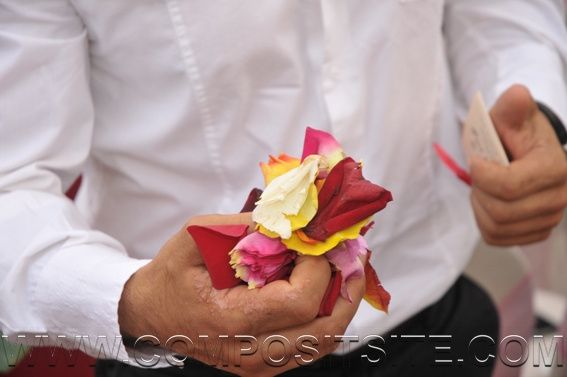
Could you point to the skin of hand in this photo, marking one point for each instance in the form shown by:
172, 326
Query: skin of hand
173, 295
521, 203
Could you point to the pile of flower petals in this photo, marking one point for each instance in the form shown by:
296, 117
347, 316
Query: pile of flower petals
317, 205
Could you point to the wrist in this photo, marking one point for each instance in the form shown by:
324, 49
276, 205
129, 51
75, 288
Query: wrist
133, 313
555, 122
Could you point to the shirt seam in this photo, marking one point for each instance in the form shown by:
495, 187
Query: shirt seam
203, 104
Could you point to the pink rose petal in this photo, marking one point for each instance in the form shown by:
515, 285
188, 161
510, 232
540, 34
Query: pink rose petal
259, 260
345, 257
321, 143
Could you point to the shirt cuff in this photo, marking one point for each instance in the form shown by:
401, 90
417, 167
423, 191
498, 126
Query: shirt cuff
77, 292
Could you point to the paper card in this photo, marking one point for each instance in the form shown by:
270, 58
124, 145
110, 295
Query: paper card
479, 134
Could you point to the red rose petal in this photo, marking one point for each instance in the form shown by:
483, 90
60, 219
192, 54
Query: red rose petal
331, 295
345, 199
366, 228
253, 197
214, 244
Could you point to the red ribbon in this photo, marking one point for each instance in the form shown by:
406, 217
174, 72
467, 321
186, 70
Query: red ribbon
461, 173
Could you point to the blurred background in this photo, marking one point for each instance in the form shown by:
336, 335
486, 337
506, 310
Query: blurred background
529, 286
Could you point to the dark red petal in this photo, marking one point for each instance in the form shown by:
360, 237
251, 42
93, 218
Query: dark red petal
346, 219
333, 183
253, 197
366, 228
214, 244
345, 199
331, 295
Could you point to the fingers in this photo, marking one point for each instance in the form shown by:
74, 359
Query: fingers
522, 202
283, 304
520, 232
334, 325
232, 219
323, 336
277, 305
299, 298
310, 278
538, 206
337, 322
539, 171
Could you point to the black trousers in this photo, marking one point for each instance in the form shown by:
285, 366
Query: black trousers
456, 336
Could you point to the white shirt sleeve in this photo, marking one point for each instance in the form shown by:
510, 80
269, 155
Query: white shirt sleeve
494, 44
58, 277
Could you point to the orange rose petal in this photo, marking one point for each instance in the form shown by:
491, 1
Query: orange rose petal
319, 184
277, 166
375, 294
286, 158
303, 237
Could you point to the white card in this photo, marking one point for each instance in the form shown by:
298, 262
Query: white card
479, 135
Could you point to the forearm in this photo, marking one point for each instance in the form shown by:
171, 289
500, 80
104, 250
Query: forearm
59, 278
495, 44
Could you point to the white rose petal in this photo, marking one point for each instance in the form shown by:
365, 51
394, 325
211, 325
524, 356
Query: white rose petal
285, 195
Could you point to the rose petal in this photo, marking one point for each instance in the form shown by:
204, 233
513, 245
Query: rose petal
214, 244
375, 294
331, 295
286, 196
322, 143
366, 228
315, 247
260, 245
277, 166
346, 258
345, 199
307, 211
259, 260
251, 200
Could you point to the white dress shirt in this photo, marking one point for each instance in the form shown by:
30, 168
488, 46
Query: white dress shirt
166, 108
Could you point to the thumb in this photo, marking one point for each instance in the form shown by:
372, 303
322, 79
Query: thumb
487, 175
512, 114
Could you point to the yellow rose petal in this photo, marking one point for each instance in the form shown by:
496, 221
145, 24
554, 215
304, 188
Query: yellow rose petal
320, 248
278, 166
267, 232
307, 211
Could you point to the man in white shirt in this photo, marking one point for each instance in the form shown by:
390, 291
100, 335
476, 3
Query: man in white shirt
165, 108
